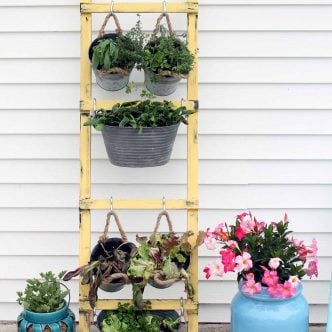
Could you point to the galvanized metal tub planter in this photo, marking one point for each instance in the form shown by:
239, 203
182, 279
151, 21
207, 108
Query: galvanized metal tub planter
57, 321
161, 85
127, 147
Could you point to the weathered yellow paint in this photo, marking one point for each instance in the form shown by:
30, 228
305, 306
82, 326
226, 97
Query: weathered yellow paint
87, 203
192, 162
140, 7
87, 105
140, 204
155, 304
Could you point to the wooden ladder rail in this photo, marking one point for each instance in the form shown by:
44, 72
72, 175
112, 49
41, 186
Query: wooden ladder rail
86, 203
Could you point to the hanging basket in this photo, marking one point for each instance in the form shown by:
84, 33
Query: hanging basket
127, 147
116, 78
161, 84
107, 247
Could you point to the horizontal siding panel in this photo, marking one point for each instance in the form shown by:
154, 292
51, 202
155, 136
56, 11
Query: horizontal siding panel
66, 219
276, 122
212, 196
211, 147
212, 18
211, 172
226, 122
68, 263
211, 70
225, 44
212, 96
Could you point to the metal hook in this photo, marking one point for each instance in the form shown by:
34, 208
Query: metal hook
164, 5
111, 201
164, 203
93, 111
112, 4
182, 307
182, 102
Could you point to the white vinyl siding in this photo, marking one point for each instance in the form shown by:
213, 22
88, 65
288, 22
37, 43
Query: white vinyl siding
265, 138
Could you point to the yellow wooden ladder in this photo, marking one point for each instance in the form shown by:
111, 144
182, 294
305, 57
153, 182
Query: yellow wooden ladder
190, 203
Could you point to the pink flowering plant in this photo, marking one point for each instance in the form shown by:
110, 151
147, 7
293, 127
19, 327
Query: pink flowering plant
262, 254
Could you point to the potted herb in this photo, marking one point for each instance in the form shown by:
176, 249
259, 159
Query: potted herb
269, 263
140, 133
165, 60
108, 263
45, 307
113, 55
130, 318
161, 260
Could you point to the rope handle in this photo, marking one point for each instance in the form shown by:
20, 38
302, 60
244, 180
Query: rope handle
157, 27
118, 29
62, 284
169, 222
104, 236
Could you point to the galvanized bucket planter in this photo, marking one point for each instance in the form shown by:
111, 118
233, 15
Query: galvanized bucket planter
161, 85
126, 147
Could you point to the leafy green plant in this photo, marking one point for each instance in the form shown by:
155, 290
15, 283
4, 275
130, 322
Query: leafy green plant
139, 114
43, 295
130, 318
167, 55
121, 52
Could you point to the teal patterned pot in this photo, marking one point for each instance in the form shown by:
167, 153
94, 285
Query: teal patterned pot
38, 321
262, 313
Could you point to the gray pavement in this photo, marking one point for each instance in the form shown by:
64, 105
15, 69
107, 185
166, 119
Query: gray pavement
11, 327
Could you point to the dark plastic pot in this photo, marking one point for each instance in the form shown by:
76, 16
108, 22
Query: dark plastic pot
126, 147
38, 321
110, 245
108, 81
161, 313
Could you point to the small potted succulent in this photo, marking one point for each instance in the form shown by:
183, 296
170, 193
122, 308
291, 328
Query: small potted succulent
140, 133
130, 318
45, 307
108, 263
113, 55
161, 260
165, 60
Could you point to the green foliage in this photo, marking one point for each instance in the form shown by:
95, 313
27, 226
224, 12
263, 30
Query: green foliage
129, 318
122, 52
166, 56
139, 114
43, 295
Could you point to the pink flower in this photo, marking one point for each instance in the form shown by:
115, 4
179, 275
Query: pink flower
274, 290
274, 263
270, 277
210, 243
294, 280
240, 233
259, 226
246, 222
227, 258
250, 287
243, 263
214, 268
220, 233
286, 290
233, 245
312, 269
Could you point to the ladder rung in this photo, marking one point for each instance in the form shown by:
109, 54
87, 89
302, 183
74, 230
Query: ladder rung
155, 304
139, 7
137, 204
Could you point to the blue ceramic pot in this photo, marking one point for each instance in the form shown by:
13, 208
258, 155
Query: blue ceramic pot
38, 321
262, 313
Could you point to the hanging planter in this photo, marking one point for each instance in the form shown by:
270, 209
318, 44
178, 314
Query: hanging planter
108, 264
45, 308
113, 55
139, 133
165, 60
161, 260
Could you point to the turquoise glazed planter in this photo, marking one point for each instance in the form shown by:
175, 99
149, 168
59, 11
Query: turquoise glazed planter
262, 313
38, 321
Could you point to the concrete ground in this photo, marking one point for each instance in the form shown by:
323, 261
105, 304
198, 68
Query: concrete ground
10, 327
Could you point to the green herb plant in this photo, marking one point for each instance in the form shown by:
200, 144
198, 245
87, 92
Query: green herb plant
122, 52
130, 318
43, 295
139, 114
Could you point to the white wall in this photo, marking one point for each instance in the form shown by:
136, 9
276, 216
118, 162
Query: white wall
265, 137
